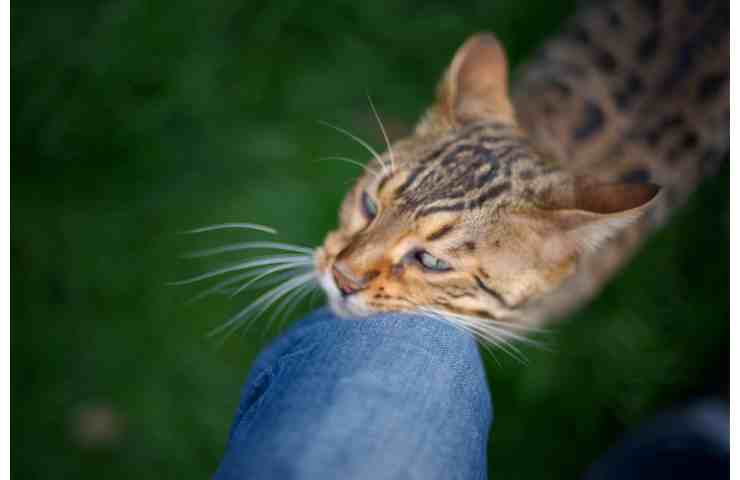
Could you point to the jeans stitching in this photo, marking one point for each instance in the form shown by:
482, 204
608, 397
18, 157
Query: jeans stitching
251, 403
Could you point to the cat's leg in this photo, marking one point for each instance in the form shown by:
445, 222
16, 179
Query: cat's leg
384, 397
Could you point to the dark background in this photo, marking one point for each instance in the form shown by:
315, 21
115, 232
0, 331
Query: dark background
134, 120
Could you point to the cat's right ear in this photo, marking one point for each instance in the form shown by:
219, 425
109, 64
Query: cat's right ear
475, 85
592, 212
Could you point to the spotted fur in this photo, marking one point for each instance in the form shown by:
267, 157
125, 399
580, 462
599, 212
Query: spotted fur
528, 202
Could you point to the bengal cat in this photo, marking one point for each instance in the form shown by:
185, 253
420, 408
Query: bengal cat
514, 208
503, 210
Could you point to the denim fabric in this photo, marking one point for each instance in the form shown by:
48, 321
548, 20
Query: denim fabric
386, 397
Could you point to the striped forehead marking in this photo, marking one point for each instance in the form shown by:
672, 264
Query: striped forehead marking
464, 172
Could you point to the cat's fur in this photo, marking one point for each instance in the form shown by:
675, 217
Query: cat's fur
534, 199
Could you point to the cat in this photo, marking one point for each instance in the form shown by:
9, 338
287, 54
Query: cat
514, 208
504, 210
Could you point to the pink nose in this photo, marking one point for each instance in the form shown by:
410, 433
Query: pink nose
346, 281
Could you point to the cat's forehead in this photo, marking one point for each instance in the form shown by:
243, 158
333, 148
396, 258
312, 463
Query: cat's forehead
474, 168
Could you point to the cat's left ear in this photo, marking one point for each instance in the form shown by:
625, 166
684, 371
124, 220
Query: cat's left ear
592, 212
475, 85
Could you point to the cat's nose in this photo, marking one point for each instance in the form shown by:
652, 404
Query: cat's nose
347, 282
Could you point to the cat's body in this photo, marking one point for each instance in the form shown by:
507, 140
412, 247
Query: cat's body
634, 91
504, 210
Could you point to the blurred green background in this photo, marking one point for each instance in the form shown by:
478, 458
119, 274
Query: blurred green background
135, 120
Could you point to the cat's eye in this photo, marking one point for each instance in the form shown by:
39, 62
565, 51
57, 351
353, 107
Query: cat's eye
369, 207
431, 262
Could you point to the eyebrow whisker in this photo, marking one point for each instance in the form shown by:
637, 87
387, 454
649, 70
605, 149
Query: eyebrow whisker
353, 162
385, 134
357, 139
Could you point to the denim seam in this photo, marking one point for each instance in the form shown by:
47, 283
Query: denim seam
272, 374
252, 404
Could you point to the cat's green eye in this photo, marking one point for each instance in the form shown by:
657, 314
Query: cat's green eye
431, 262
369, 207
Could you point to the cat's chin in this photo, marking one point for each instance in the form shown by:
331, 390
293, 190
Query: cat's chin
349, 307
342, 310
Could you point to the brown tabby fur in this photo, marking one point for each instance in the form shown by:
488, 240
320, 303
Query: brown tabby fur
535, 198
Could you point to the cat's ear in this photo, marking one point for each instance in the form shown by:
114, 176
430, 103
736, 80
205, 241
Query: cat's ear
591, 213
475, 85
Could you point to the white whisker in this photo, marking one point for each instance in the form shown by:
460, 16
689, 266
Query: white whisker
491, 332
501, 330
250, 245
264, 283
273, 279
260, 273
362, 142
289, 302
221, 286
263, 303
510, 325
486, 342
267, 272
223, 226
312, 300
310, 288
273, 260
385, 134
353, 162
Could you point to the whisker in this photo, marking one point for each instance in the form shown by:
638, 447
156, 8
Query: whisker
382, 129
264, 283
491, 339
250, 245
310, 289
271, 280
484, 341
281, 277
223, 226
518, 326
290, 301
221, 286
272, 260
263, 303
264, 274
488, 331
490, 351
492, 325
504, 329
305, 279
312, 300
507, 347
260, 273
290, 293
508, 334
353, 162
362, 142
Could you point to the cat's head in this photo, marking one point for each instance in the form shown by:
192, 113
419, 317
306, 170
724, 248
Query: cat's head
465, 216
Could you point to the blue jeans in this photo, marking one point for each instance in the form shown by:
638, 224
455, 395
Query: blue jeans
385, 397
404, 397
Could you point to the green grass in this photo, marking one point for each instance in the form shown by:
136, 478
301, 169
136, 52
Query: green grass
133, 121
